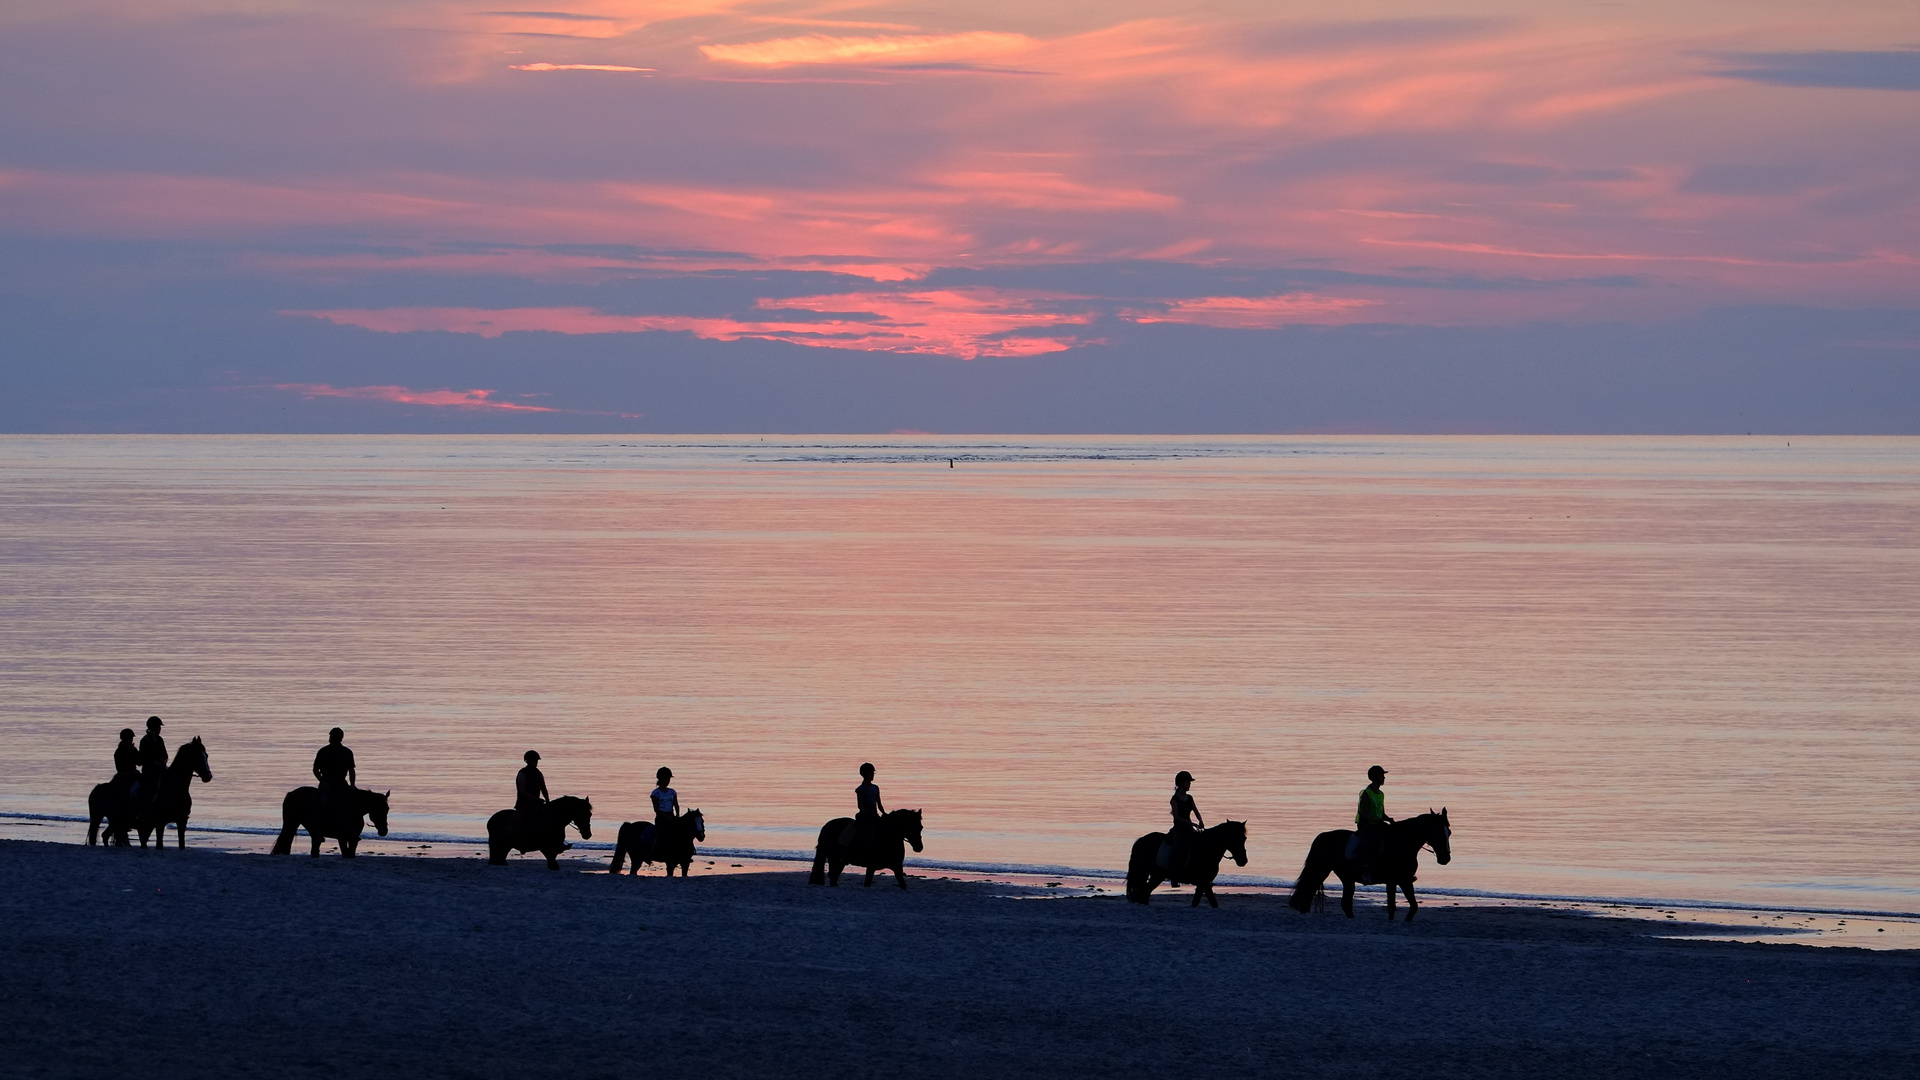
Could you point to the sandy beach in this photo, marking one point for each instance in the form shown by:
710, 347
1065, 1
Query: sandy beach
209, 964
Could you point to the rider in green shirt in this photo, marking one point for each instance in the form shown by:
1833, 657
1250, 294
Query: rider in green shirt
1371, 820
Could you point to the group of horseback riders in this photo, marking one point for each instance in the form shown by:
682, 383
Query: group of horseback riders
1370, 821
145, 793
137, 771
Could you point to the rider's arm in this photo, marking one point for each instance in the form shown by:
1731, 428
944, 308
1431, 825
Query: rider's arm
316, 768
544, 797
1198, 821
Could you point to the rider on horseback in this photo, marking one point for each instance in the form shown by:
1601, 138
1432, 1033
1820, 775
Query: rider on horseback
666, 803
333, 767
126, 765
529, 788
153, 763
1371, 820
871, 810
1186, 820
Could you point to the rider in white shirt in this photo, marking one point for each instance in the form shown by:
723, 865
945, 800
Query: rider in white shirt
666, 803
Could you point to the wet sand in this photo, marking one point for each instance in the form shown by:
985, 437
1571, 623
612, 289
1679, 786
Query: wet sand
211, 965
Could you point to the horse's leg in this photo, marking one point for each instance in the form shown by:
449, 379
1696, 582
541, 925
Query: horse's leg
553, 861
93, 829
1390, 911
181, 825
900, 875
1212, 900
317, 839
1198, 892
870, 871
833, 873
1346, 897
1412, 904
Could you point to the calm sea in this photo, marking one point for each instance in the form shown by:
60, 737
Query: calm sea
1642, 667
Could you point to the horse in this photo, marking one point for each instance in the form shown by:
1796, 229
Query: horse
1394, 865
1199, 862
642, 842
171, 806
342, 818
885, 849
542, 829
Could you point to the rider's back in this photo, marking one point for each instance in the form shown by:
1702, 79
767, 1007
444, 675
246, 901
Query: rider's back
332, 763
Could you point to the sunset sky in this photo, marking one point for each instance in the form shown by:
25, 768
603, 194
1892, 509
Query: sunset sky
705, 215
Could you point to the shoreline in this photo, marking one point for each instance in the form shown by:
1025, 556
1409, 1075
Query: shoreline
215, 965
1227, 880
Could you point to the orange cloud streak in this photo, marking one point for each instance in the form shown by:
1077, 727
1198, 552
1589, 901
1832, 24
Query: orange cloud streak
824, 49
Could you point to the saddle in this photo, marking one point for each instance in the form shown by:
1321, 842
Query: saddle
850, 835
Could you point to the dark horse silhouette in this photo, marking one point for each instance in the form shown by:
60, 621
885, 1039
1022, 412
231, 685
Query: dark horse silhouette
542, 829
153, 813
1198, 865
886, 849
643, 841
344, 816
1394, 865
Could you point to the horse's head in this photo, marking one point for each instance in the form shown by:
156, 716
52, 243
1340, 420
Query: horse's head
698, 824
1235, 834
1441, 837
583, 818
376, 805
908, 823
195, 753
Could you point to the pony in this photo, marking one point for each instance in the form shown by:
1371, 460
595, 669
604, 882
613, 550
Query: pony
1394, 865
344, 816
1198, 864
542, 829
150, 813
885, 849
644, 841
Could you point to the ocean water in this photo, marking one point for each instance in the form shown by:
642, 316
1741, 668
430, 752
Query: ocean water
1647, 667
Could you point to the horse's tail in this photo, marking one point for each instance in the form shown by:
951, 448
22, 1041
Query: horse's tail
289, 823
96, 810
1319, 864
819, 875
1140, 867
620, 851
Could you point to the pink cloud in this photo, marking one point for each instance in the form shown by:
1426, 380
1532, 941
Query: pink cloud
400, 395
1253, 141
966, 323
